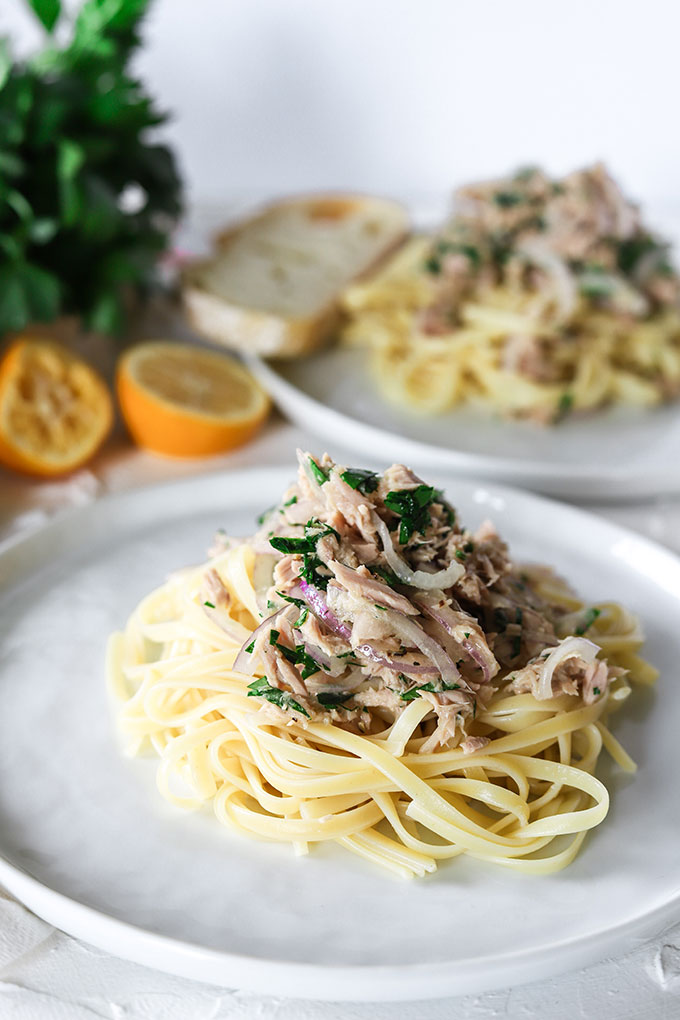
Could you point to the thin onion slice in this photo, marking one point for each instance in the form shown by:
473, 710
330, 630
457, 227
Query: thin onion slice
570, 648
316, 600
397, 665
411, 632
243, 661
416, 578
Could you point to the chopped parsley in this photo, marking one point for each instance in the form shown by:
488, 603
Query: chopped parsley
358, 478
261, 688
210, 605
630, 252
314, 530
433, 265
250, 648
594, 286
500, 620
306, 547
517, 640
589, 618
290, 598
298, 656
460, 555
412, 506
289, 502
507, 199
564, 406
318, 472
414, 692
302, 606
596, 690
385, 575
331, 700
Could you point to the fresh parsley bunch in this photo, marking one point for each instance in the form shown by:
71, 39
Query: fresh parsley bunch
86, 199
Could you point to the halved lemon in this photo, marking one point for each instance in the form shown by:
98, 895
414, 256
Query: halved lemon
55, 410
186, 401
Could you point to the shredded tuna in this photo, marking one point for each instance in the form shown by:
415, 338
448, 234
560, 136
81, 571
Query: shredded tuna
354, 643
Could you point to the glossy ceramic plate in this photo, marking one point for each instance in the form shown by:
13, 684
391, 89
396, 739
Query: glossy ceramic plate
87, 842
617, 453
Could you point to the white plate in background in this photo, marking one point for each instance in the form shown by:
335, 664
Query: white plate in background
87, 842
617, 453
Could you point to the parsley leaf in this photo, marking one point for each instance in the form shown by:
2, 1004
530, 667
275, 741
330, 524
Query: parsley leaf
298, 656
564, 406
358, 478
589, 618
331, 700
434, 688
318, 472
261, 689
411, 505
506, 199
385, 575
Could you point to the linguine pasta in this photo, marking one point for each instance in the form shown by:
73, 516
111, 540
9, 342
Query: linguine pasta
539, 298
370, 758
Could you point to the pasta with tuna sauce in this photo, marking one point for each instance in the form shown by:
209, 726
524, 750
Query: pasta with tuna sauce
538, 299
366, 670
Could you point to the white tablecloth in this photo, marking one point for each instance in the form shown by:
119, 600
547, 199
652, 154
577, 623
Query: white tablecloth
46, 975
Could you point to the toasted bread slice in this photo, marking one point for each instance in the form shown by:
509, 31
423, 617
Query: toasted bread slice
273, 285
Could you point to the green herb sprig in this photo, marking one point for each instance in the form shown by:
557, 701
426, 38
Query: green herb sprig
261, 688
412, 506
87, 198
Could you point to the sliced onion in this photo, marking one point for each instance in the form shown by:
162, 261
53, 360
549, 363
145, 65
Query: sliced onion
564, 286
443, 616
243, 661
416, 578
570, 648
332, 665
413, 633
316, 600
397, 665
479, 658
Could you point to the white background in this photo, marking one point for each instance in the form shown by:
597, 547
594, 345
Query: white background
410, 96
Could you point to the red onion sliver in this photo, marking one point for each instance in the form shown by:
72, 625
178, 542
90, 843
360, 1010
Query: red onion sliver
413, 633
478, 656
316, 600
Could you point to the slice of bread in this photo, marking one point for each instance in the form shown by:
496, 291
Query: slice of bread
273, 285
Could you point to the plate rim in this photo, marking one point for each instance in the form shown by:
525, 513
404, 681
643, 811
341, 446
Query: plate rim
542, 476
285, 977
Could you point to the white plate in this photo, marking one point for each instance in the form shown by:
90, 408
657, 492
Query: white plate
617, 453
87, 842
